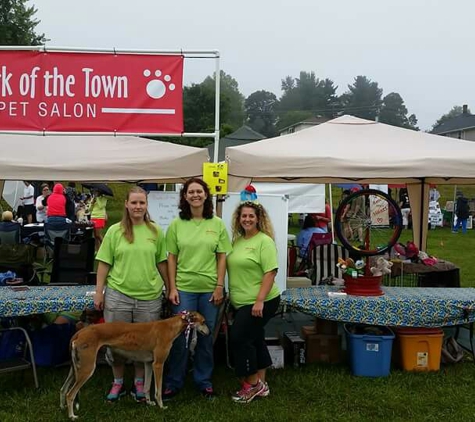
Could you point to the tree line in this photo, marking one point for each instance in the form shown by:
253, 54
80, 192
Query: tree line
301, 98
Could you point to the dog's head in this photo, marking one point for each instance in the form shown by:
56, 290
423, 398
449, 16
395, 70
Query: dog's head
195, 320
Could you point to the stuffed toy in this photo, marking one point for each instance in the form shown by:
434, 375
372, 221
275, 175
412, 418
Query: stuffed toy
382, 267
249, 194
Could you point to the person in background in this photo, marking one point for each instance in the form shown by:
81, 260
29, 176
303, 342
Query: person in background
98, 215
405, 206
28, 200
434, 194
56, 205
322, 219
132, 268
41, 207
462, 212
252, 267
303, 238
197, 244
70, 193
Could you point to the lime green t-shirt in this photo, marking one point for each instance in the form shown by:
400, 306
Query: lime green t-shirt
247, 264
195, 243
133, 269
99, 207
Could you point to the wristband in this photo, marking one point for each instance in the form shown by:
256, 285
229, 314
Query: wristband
220, 285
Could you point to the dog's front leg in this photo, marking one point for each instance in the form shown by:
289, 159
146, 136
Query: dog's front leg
148, 383
158, 372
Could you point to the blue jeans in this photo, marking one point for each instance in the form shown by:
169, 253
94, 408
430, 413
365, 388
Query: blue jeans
463, 222
203, 359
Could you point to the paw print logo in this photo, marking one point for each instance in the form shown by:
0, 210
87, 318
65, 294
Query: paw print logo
156, 88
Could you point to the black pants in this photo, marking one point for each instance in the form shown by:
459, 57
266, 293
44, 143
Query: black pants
248, 339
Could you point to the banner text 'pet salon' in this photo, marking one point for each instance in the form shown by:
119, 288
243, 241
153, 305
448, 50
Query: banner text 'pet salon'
91, 92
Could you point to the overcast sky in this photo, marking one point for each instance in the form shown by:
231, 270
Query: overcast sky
422, 49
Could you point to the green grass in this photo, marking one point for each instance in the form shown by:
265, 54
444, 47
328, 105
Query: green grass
312, 393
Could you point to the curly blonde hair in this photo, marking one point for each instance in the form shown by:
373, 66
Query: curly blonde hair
264, 224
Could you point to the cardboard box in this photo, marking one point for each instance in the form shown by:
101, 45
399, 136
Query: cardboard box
277, 356
325, 326
307, 330
323, 348
294, 349
294, 282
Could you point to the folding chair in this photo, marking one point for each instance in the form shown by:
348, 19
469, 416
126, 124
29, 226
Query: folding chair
317, 239
73, 263
13, 361
325, 260
20, 258
55, 230
10, 233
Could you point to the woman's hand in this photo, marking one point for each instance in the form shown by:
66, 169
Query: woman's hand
217, 296
258, 308
174, 297
99, 301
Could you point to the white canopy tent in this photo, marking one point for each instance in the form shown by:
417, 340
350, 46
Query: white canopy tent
353, 150
97, 159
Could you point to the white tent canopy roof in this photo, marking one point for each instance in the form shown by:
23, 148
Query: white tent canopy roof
97, 158
353, 149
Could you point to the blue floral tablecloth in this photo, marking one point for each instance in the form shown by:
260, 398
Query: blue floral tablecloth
399, 306
41, 299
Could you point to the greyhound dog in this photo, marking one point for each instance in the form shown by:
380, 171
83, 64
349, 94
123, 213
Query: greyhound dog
148, 342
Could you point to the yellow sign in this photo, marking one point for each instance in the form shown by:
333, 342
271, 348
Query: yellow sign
216, 176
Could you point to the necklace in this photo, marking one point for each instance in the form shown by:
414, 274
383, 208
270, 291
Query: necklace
197, 221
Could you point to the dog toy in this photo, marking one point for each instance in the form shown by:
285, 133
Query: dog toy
382, 267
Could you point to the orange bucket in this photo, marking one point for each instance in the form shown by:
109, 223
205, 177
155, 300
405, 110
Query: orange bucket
363, 286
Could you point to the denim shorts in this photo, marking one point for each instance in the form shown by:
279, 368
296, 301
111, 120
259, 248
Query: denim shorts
119, 307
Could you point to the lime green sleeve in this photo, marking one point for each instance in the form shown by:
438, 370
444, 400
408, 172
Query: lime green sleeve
224, 244
172, 244
269, 256
161, 246
106, 251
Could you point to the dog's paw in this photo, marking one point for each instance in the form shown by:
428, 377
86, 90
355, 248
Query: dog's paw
151, 403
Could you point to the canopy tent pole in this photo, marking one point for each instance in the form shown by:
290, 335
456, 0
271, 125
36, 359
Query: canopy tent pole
331, 214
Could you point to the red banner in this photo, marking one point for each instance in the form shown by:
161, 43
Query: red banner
91, 92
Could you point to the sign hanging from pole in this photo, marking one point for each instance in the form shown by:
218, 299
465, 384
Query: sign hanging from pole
216, 176
91, 92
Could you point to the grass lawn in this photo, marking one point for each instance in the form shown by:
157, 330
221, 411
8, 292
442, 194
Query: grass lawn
313, 393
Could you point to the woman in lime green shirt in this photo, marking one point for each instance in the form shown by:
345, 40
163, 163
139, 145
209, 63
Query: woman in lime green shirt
98, 216
197, 244
132, 269
252, 267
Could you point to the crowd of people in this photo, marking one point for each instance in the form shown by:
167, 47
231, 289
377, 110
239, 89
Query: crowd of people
61, 205
137, 261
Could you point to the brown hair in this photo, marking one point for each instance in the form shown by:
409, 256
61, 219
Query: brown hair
263, 221
126, 222
185, 209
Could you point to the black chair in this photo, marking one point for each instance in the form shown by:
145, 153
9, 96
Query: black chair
53, 231
73, 263
10, 233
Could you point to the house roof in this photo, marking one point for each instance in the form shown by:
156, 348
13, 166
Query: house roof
242, 136
464, 121
311, 121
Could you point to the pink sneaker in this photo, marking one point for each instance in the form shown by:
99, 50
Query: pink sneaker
265, 391
116, 392
248, 392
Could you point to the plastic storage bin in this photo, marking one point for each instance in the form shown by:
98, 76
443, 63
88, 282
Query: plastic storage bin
419, 349
369, 350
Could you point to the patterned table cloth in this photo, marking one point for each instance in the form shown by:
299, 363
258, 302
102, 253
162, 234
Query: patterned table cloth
41, 299
399, 306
